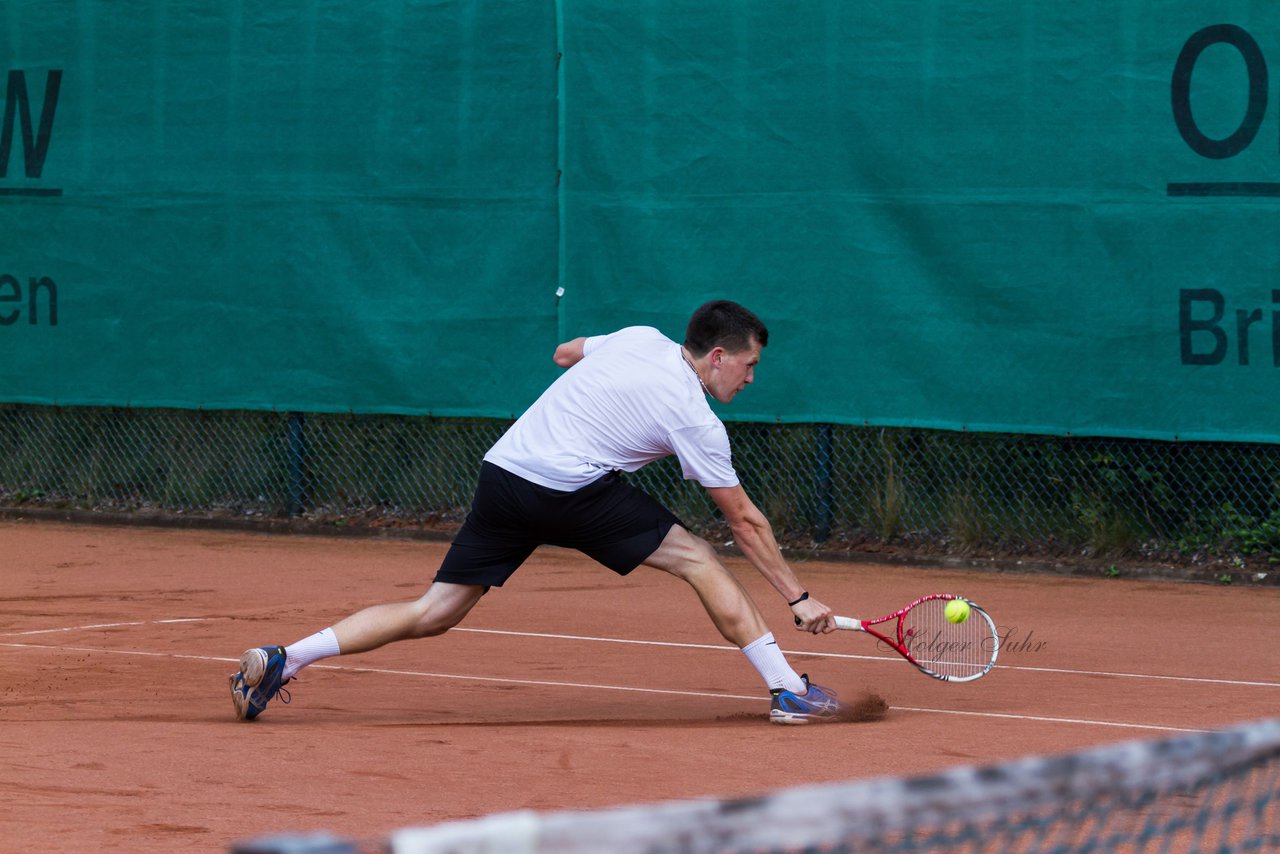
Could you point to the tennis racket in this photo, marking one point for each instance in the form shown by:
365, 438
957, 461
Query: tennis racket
922, 634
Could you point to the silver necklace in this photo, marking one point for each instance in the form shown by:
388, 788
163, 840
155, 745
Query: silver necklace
685, 356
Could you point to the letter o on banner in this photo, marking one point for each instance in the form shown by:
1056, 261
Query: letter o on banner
1255, 65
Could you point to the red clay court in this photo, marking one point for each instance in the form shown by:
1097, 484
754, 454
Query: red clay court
568, 688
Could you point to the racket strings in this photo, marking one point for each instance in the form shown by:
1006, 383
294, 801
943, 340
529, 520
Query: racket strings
950, 650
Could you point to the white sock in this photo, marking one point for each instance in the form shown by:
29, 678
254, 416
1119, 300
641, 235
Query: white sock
310, 650
764, 655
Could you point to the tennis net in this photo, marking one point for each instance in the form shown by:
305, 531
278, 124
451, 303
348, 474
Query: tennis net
1215, 791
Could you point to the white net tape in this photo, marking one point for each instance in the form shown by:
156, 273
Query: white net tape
1215, 791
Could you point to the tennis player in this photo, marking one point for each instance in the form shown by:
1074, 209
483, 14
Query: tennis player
627, 399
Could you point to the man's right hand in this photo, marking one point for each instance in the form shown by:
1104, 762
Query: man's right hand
814, 617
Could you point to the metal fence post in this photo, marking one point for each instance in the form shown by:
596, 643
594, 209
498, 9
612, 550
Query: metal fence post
297, 452
825, 511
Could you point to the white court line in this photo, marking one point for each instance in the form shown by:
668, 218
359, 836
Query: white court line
544, 683
389, 672
455, 677
887, 659
1049, 720
101, 626
1199, 679
884, 659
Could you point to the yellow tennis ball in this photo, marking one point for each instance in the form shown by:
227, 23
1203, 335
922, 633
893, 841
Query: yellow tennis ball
957, 610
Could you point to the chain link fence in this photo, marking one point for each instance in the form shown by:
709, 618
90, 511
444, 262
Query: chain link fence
824, 487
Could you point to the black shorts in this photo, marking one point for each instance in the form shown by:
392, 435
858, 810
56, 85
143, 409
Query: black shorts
607, 520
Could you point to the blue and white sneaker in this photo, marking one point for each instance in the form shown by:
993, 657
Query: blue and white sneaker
816, 706
258, 681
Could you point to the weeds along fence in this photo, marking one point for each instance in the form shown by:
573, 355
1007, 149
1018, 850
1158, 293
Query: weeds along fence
823, 486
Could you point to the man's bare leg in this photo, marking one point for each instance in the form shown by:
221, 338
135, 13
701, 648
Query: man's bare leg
265, 670
692, 559
439, 609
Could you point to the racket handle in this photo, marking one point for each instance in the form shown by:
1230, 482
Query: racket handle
846, 623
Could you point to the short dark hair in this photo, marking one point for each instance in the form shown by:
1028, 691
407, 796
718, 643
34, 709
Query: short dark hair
722, 323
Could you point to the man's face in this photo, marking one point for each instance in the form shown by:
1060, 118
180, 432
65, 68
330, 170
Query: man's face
731, 372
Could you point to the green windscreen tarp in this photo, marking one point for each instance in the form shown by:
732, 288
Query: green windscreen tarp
1054, 218
324, 206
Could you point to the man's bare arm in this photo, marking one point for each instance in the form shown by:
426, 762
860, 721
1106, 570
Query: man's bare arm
754, 536
569, 353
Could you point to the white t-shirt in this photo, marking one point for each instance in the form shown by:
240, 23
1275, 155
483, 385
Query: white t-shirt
630, 400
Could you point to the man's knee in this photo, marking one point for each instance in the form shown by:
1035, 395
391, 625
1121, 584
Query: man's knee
429, 625
440, 609
699, 560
